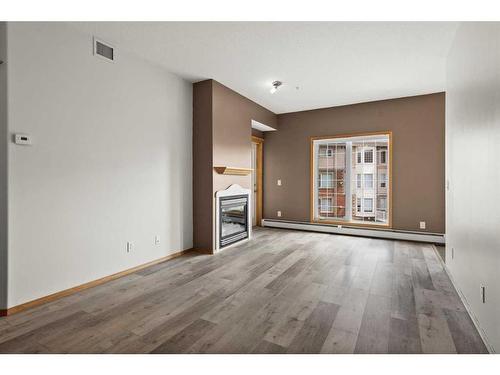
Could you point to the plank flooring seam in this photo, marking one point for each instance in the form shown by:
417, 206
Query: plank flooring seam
281, 292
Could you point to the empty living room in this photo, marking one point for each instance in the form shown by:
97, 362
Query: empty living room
250, 187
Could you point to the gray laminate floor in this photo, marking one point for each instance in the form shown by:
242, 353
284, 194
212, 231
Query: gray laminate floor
282, 292
442, 252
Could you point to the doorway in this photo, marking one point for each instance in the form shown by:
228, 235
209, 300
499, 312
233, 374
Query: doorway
257, 144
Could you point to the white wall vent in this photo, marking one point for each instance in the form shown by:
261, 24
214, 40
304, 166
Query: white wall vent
104, 50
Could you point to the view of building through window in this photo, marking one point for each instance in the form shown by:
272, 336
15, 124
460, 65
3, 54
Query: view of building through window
350, 179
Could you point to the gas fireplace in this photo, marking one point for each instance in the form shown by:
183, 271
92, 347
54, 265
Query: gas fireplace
233, 216
233, 219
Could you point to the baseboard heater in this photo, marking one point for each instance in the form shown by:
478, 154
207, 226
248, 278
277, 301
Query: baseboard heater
393, 234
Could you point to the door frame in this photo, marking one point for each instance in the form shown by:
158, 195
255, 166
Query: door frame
258, 173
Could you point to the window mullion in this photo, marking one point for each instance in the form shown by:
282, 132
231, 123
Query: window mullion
348, 181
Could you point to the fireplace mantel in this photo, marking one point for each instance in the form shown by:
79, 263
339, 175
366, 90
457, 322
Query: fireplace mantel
233, 170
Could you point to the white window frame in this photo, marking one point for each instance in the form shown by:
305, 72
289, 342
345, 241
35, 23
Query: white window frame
350, 180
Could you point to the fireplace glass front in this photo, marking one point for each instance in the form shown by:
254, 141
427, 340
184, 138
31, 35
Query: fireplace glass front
233, 219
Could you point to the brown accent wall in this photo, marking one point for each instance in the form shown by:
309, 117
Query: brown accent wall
233, 114
257, 133
222, 135
202, 165
418, 125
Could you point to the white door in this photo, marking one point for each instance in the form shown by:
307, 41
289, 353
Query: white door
254, 184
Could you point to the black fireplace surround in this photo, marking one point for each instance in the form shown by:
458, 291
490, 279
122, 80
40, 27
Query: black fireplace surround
233, 219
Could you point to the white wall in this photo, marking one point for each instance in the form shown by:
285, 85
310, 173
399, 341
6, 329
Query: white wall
111, 161
473, 169
3, 166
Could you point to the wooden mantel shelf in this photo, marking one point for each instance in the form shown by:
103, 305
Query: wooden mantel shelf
233, 171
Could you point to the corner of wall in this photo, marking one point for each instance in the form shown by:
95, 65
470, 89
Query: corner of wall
472, 137
134, 186
3, 168
221, 136
202, 165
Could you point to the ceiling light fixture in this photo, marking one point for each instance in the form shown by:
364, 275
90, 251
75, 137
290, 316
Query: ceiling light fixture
275, 84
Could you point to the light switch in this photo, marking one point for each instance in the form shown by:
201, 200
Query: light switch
279, 182
278, 213
422, 225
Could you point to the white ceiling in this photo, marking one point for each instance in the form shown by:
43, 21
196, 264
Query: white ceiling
332, 63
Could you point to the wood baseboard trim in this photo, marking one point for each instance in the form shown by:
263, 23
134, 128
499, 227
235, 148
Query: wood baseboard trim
90, 284
201, 250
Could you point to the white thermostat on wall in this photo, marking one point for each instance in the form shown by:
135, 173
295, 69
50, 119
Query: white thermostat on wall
22, 139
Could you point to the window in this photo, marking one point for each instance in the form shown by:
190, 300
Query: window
326, 152
326, 205
382, 203
383, 183
368, 181
383, 157
369, 156
368, 205
352, 184
326, 180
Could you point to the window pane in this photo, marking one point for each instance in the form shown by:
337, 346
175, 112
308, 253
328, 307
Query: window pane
369, 156
339, 205
382, 203
352, 179
383, 157
331, 163
368, 205
368, 180
382, 191
382, 180
326, 205
326, 180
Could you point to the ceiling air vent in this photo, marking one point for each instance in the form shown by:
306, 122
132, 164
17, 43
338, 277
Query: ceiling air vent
104, 50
